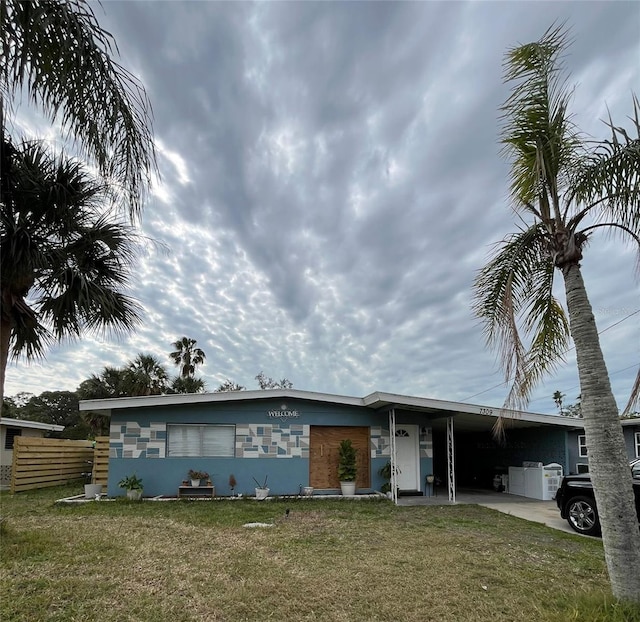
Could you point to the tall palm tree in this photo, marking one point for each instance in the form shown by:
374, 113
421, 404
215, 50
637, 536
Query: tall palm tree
56, 52
186, 356
147, 376
565, 189
65, 262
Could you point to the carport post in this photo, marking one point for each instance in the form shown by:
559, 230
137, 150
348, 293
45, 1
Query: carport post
451, 463
392, 457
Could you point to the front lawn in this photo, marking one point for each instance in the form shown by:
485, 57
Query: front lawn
327, 561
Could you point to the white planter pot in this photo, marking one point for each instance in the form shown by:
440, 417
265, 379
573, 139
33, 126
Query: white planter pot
135, 494
348, 488
262, 493
195, 483
307, 491
91, 490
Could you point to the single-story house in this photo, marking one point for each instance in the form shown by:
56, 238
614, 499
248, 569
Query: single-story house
9, 429
292, 437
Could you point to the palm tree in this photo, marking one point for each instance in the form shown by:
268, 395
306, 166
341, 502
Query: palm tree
187, 384
186, 356
64, 262
229, 385
147, 376
56, 53
112, 382
565, 190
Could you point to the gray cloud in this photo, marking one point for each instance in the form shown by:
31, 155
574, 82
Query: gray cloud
331, 184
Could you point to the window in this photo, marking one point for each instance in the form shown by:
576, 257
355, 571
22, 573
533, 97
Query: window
637, 435
582, 468
11, 434
216, 441
582, 446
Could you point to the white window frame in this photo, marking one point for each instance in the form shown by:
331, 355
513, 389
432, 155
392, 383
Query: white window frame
582, 468
637, 437
198, 440
582, 446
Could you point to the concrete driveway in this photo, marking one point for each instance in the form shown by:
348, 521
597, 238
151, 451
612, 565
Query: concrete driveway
545, 512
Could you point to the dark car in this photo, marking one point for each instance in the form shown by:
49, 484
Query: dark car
577, 504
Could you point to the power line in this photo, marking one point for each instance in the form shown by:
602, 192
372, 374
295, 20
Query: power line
604, 330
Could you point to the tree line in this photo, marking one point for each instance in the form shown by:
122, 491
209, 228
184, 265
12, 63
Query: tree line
143, 375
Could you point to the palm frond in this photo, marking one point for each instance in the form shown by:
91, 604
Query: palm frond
58, 52
538, 136
609, 179
62, 251
513, 297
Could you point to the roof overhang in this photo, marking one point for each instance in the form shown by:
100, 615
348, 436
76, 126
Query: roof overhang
467, 417
35, 425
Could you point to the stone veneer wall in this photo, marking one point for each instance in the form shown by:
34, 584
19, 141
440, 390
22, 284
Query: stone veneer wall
131, 440
381, 447
286, 440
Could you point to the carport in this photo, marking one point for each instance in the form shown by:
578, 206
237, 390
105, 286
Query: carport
465, 448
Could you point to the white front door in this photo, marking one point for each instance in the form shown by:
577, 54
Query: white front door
407, 451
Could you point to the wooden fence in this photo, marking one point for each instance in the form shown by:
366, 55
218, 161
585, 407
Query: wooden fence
44, 462
101, 461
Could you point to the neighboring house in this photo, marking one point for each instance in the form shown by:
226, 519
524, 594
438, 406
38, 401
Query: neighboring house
9, 429
579, 453
292, 437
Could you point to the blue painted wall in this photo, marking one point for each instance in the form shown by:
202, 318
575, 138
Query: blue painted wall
572, 439
163, 475
630, 432
139, 437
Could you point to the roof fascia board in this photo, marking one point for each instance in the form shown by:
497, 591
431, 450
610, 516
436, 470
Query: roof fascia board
391, 400
177, 399
36, 425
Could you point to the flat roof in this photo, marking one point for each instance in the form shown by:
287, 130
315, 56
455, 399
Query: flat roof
36, 425
467, 417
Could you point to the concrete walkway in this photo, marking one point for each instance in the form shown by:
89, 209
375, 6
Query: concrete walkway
545, 512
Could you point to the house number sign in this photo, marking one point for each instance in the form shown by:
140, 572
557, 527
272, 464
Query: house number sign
283, 413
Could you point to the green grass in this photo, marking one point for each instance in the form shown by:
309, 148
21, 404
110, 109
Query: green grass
328, 561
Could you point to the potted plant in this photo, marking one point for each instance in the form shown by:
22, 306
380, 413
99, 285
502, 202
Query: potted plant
133, 485
195, 476
347, 469
262, 492
385, 472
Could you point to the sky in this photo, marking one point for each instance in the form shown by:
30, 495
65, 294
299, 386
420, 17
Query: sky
331, 182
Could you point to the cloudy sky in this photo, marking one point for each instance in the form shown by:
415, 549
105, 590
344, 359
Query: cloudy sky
332, 182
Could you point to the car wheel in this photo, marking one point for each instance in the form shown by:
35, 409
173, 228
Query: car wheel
582, 516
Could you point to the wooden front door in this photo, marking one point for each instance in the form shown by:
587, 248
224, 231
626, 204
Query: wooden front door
324, 442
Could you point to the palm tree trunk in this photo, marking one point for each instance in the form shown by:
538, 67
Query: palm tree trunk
5, 340
608, 461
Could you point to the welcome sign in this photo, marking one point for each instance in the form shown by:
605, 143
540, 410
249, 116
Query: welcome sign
283, 413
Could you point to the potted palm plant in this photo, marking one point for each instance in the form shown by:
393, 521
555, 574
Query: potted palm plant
347, 469
133, 485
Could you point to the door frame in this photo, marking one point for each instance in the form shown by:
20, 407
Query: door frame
416, 429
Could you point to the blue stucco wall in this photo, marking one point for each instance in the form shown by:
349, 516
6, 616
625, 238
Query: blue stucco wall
574, 457
572, 440
279, 447
274, 448
630, 432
